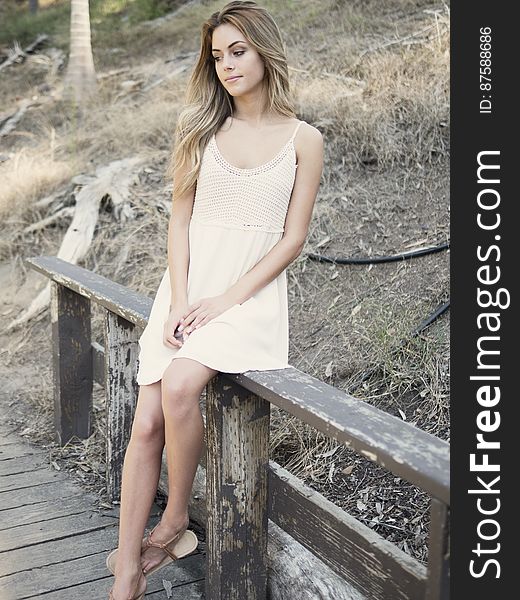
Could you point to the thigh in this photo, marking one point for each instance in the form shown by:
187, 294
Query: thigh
186, 376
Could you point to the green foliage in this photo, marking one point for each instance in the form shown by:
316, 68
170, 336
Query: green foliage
18, 24
106, 16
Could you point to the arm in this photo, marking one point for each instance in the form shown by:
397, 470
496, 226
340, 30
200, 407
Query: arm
299, 214
178, 246
289, 247
178, 262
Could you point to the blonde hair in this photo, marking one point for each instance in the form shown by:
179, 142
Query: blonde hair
208, 103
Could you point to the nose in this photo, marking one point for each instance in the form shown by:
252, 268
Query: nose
228, 63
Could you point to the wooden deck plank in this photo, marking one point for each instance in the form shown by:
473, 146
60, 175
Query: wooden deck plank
16, 449
8, 437
54, 539
24, 463
60, 527
74, 578
44, 511
37, 493
20, 481
63, 575
187, 591
19, 560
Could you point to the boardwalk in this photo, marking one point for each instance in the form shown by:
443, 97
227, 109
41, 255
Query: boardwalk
54, 538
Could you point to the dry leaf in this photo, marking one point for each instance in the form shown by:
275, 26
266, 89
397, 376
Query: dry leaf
328, 370
324, 241
347, 470
329, 453
355, 310
168, 586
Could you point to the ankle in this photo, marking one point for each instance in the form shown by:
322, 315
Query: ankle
175, 520
128, 570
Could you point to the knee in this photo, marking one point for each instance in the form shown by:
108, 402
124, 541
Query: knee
179, 395
148, 430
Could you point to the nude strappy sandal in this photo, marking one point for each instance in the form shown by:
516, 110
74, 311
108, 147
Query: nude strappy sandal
182, 544
133, 596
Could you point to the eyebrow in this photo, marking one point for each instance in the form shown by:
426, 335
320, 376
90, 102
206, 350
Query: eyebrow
237, 42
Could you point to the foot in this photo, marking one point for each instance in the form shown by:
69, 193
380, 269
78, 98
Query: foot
163, 533
128, 585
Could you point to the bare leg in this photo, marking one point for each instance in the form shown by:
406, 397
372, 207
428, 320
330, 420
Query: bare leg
141, 471
182, 385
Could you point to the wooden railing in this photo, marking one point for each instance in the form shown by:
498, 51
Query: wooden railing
244, 489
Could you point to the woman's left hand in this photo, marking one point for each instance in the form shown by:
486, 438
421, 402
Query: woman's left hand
201, 312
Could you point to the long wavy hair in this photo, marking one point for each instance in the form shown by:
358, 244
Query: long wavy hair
208, 103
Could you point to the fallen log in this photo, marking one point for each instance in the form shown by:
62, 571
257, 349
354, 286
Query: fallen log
18, 53
113, 180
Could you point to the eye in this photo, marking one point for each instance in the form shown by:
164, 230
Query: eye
236, 53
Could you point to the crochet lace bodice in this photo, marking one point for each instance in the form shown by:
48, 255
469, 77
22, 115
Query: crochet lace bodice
255, 199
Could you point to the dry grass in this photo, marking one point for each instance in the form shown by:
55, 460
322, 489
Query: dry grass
28, 178
376, 84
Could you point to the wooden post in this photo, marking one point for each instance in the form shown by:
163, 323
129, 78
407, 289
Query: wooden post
237, 459
72, 358
121, 353
438, 581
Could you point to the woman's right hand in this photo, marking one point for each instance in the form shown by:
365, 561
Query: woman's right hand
171, 324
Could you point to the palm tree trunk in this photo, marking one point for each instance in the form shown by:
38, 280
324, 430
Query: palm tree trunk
80, 79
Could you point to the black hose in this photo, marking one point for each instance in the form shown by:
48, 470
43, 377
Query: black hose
378, 259
382, 259
435, 315
428, 321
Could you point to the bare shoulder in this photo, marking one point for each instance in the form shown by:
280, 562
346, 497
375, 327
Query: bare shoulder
309, 143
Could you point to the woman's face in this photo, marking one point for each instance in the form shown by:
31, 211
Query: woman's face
235, 57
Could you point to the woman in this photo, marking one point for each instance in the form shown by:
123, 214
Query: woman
246, 174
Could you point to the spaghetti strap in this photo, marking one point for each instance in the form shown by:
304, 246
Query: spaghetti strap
295, 130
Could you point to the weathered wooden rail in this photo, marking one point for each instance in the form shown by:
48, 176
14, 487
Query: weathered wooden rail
244, 490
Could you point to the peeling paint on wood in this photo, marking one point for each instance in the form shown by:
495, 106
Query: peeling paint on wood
369, 455
439, 552
72, 360
133, 307
237, 431
407, 451
121, 353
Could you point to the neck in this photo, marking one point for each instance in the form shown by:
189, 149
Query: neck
251, 109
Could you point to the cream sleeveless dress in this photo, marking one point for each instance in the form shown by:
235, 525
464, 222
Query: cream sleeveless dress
238, 216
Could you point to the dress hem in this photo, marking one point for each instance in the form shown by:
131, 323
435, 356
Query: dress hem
159, 378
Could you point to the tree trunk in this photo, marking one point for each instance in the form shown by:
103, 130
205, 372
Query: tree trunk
80, 80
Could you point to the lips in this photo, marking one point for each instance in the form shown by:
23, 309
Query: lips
233, 78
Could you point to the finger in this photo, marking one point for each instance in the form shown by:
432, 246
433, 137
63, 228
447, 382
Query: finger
202, 322
190, 318
190, 310
172, 342
206, 319
197, 320
186, 319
